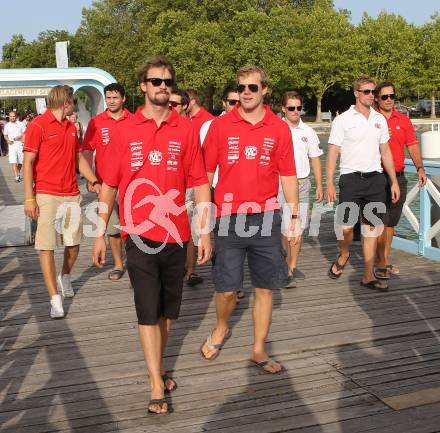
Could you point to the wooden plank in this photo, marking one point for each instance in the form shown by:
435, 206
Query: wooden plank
413, 399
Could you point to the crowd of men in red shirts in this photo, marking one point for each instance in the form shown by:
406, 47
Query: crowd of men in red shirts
154, 167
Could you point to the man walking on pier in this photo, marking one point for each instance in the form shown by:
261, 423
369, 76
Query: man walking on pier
13, 133
157, 158
252, 148
402, 134
360, 134
51, 194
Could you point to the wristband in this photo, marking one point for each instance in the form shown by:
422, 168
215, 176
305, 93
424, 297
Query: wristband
95, 183
420, 168
29, 199
294, 217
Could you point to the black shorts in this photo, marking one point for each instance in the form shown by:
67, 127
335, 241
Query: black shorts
265, 254
362, 193
394, 210
157, 279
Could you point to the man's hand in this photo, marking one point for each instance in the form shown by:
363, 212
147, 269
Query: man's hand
331, 192
98, 254
294, 234
422, 176
31, 209
96, 188
204, 249
395, 192
319, 194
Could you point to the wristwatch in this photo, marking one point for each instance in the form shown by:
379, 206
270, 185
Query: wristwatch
96, 182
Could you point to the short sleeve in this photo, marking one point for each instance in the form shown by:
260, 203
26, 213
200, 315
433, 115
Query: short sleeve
193, 161
410, 133
33, 138
314, 149
285, 158
89, 137
385, 135
336, 132
204, 130
210, 148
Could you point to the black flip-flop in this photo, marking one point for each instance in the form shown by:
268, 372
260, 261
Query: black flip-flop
338, 266
262, 364
165, 378
375, 285
117, 273
382, 273
194, 279
160, 402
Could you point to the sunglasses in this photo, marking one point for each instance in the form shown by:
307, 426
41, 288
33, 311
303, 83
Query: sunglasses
156, 82
392, 96
367, 91
252, 87
297, 108
232, 101
175, 103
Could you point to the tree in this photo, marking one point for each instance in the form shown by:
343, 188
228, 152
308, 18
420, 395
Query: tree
12, 49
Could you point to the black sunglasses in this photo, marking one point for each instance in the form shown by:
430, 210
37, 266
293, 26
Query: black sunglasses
252, 87
297, 108
366, 91
156, 82
232, 101
392, 96
175, 103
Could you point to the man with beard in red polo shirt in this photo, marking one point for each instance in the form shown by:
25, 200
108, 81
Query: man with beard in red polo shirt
252, 148
402, 134
101, 132
157, 158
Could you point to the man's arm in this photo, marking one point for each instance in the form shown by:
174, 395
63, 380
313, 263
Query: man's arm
317, 172
332, 158
414, 153
85, 169
30, 203
388, 164
210, 177
107, 198
202, 196
290, 188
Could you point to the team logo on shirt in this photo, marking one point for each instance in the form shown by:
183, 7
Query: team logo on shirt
250, 152
105, 134
397, 127
155, 157
304, 139
377, 125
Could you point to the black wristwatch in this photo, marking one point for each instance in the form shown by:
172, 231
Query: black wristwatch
420, 168
96, 182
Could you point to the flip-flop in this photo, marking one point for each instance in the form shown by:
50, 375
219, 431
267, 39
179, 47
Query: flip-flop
116, 274
266, 362
393, 270
382, 273
375, 285
160, 402
194, 279
338, 266
166, 378
217, 347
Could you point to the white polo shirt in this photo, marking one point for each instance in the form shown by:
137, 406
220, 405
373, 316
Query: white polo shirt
203, 131
14, 129
359, 139
305, 145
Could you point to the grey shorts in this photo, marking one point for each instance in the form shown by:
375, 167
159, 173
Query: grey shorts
257, 236
304, 187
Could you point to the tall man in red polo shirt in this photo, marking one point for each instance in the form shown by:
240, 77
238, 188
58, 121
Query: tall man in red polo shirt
252, 147
402, 134
101, 131
159, 156
52, 154
198, 116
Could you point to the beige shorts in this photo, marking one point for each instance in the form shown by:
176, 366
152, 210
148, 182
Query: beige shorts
59, 222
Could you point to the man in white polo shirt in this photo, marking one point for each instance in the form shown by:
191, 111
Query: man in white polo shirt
13, 133
305, 145
361, 135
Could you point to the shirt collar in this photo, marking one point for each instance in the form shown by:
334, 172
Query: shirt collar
125, 114
394, 113
268, 119
172, 119
51, 118
372, 111
300, 125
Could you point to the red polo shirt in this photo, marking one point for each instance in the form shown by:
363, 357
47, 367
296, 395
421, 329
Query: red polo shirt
402, 134
250, 158
152, 167
56, 145
101, 131
200, 118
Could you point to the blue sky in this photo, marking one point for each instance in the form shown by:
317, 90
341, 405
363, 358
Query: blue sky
32, 17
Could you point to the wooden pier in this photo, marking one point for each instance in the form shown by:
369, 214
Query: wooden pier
356, 360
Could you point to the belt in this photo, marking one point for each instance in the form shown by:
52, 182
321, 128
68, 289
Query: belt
365, 174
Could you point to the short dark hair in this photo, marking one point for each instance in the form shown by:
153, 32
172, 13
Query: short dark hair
382, 85
115, 87
291, 94
159, 61
192, 93
183, 95
228, 89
